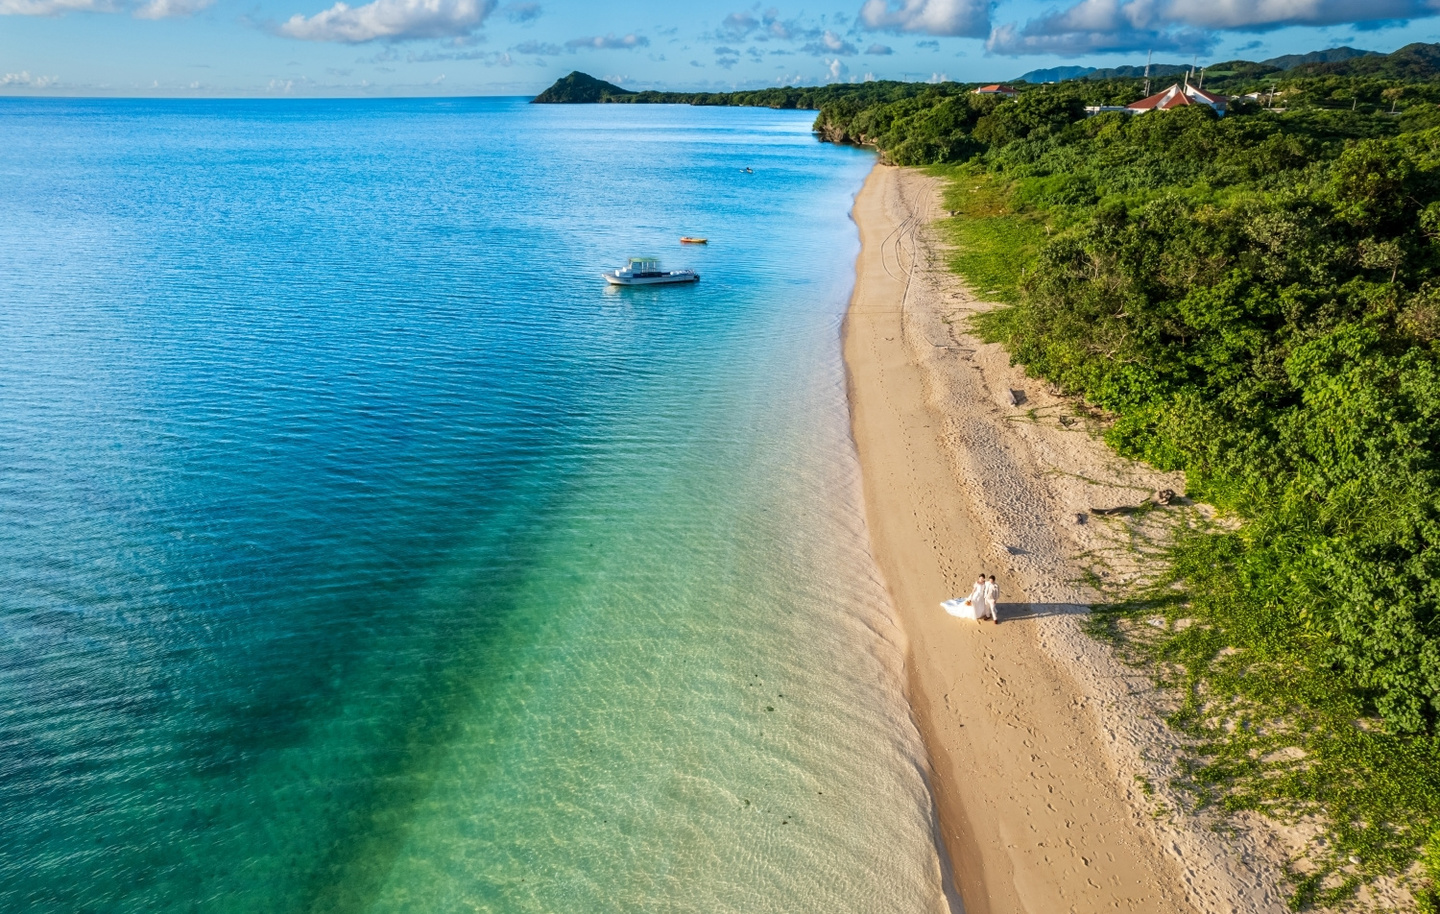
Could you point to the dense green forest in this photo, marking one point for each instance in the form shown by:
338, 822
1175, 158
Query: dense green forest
581, 88
1252, 299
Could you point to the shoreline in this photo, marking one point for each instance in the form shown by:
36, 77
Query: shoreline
1041, 747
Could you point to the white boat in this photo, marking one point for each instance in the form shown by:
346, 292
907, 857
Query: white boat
645, 271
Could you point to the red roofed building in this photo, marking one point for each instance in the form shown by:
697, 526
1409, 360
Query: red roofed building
1006, 91
1177, 96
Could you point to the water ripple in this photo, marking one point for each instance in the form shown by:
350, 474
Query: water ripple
363, 551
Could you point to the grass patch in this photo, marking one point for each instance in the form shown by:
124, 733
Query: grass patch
991, 236
1272, 730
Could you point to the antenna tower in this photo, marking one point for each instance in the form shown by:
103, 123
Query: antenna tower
1149, 54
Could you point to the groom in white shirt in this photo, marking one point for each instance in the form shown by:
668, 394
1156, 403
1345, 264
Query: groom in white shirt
992, 594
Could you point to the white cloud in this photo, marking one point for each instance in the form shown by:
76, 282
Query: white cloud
879, 50
1249, 14
829, 43
1178, 25
609, 42
23, 80
391, 20
1012, 40
170, 9
739, 26
964, 18
836, 70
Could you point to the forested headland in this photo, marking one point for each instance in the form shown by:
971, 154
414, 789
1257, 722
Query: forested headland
1253, 299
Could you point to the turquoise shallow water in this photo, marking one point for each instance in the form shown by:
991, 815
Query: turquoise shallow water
363, 552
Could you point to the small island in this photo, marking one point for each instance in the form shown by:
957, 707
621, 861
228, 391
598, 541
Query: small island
579, 89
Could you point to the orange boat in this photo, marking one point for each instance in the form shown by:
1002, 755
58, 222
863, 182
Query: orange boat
688, 240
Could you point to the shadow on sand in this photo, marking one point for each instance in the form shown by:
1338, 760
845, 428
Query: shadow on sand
1014, 612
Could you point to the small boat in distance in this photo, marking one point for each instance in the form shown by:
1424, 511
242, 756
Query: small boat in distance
688, 240
645, 271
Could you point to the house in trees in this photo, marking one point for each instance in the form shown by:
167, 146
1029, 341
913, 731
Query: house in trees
1178, 96
1007, 91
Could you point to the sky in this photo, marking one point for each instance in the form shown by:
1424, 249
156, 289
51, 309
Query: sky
324, 48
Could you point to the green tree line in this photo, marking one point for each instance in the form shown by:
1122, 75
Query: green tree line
1254, 300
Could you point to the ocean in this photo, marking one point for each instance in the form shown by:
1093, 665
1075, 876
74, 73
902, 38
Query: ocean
363, 551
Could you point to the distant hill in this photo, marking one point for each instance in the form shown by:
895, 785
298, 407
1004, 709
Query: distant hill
1053, 75
1414, 61
1332, 55
579, 89
1156, 69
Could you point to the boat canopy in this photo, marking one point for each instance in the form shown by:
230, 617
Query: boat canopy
644, 264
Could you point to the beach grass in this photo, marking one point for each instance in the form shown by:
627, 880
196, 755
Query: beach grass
1270, 728
991, 235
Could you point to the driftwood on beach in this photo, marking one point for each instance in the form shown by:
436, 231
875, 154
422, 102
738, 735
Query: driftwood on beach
1162, 497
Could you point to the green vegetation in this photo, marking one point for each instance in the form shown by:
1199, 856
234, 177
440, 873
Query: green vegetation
1228, 68
580, 89
992, 243
1254, 300
576, 89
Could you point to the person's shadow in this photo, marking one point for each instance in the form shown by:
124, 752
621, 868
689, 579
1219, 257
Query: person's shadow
1013, 612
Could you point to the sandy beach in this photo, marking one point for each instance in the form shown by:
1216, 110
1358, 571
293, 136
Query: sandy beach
1049, 760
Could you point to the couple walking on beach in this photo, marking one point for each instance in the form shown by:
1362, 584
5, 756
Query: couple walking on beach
983, 598
981, 602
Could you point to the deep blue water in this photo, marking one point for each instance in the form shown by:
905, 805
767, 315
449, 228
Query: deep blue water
363, 551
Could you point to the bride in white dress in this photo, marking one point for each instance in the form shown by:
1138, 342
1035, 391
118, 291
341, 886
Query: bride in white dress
972, 607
